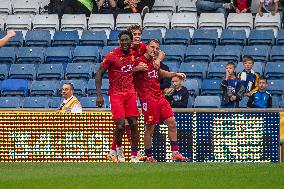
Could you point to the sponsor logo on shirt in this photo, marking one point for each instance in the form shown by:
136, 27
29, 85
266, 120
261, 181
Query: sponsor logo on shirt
153, 74
127, 68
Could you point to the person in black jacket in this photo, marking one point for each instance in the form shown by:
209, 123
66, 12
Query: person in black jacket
177, 95
260, 98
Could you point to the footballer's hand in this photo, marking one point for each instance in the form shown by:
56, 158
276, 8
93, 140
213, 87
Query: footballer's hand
100, 101
233, 98
141, 67
11, 33
157, 63
182, 76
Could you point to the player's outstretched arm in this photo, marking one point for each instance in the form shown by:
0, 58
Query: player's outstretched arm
166, 74
7, 37
99, 78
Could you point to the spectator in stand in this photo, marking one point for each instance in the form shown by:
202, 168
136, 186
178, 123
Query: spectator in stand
107, 6
268, 6
78, 7
177, 95
242, 6
215, 6
260, 98
134, 6
248, 76
7, 37
232, 88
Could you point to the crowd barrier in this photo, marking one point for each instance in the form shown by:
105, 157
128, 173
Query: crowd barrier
203, 135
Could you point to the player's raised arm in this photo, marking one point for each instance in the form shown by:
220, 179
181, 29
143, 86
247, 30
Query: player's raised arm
159, 59
7, 37
165, 74
99, 78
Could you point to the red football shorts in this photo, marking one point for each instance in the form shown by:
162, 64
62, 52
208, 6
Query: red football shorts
124, 105
155, 111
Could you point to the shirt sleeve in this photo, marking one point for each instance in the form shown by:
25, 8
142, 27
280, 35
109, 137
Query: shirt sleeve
77, 108
106, 63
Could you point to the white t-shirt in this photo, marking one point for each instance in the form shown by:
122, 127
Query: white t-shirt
268, 5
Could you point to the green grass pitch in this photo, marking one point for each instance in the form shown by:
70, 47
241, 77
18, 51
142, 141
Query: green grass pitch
141, 175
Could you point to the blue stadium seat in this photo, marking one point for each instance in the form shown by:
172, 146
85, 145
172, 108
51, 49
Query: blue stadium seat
22, 71
93, 38
199, 53
41, 38
275, 87
177, 37
79, 86
281, 103
233, 37
16, 41
44, 88
58, 55
257, 67
89, 102
205, 37
276, 101
174, 53
8, 55
192, 86
107, 101
55, 102
280, 37
113, 38
15, 87
50, 71
277, 54
86, 54
227, 53
65, 38
173, 66
274, 70
259, 53
194, 70
105, 50
148, 34
211, 87
91, 89
217, 70
261, 37
4, 70
30, 55
35, 102
207, 102
79, 71
10, 102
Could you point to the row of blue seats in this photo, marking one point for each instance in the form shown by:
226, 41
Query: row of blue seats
90, 102
87, 70
20, 87
174, 53
172, 36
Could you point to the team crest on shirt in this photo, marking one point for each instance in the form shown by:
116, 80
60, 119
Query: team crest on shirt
132, 58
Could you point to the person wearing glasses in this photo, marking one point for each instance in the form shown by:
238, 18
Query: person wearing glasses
70, 103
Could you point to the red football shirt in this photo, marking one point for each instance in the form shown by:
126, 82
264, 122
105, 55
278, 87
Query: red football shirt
140, 50
147, 82
120, 72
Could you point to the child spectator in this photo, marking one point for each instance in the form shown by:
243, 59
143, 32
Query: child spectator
242, 6
268, 6
232, 88
260, 98
248, 76
177, 95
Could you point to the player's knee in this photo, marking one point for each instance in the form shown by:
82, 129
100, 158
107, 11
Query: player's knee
172, 124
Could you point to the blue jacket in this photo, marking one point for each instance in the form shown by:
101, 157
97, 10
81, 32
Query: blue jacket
260, 100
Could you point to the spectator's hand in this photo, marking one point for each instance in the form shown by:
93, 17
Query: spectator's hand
227, 75
238, 11
249, 94
182, 76
11, 33
100, 101
141, 66
260, 13
233, 98
157, 63
244, 11
168, 91
273, 13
